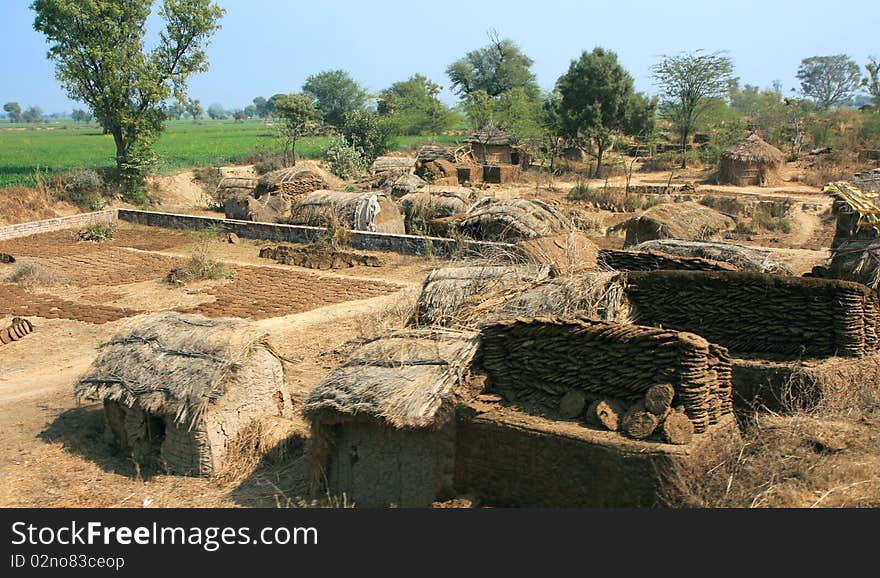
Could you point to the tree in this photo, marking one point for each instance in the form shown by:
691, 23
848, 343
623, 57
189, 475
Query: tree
519, 115
98, 49
216, 111
367, 133
299, 117
13, 109
596, 92
829, 80
194, 109
250, 111
335, 93
175, 110
872, 82
688, 83
79, 115
261, 105
494, 69
479, 107
641, 115
32, 114
413, 106
238, 115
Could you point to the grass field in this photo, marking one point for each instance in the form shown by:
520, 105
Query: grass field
184, 144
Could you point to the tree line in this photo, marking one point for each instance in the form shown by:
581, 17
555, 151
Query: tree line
132, 92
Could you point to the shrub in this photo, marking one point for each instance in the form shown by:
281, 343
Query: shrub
200, 266
265, 159
98, 233
345, 161
613, 199
208, 178
82, 187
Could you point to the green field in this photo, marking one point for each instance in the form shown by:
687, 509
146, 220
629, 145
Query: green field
183, 145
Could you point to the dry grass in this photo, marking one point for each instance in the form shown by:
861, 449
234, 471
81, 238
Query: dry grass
30, 274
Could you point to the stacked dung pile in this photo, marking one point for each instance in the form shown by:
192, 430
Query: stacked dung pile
177, 388
234, 187
561, 366
396, 165
439, 171
430, 153
449, 295
290, 181
370, 211
17, 329
751, 162
628, 260
421, 207
567, 252
753, 313
687, 221
858, 216
511, 220
741, 257
318, 256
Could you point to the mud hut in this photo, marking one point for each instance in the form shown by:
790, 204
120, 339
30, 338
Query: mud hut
686, 221
511, 220
177, 388
370, 211
383, 427
492, 146
751, 162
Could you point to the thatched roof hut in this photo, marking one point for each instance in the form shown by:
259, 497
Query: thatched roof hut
371, 211
511, 220
751, 162
290, 181
177, 388
491, 145
382, 423
686, 221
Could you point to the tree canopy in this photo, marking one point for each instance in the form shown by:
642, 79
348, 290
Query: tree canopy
335, 93
413, 106
13, 109
494, 69
98, 50
829, 81
299, 117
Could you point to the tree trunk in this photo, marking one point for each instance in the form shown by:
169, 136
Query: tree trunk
684, 148
600, 146
121, 149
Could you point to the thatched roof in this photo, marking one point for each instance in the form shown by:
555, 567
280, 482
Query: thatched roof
293, 180
491, 136
365, 211
851, 199
742, 257
395, 164
511, 220
687, 221
171, 364
857, 260
754, 150
407, 379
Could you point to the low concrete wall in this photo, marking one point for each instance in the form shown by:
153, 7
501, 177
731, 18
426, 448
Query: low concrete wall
364, 240
58, 224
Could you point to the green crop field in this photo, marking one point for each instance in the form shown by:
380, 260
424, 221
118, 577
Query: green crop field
63, 146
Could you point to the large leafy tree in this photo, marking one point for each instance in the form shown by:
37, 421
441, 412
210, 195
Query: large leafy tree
413, 106
595, 95
829, 80
100, 59
298, 117
13, 109
496, 68
689, 83
872, 82
335, 93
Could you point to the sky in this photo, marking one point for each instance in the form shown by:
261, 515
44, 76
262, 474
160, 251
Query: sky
271, 46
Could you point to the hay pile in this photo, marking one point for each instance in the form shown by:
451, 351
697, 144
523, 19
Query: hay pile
511, 220
398, 165
754, 313
173, 364
290, 181
751, 162
449, 295
421, 207
742, 257
234, 187
370, 211
537, 363
628, 260
400, 185
689, 221
407, 379
858, 216
430, 153
269, 208
567, 253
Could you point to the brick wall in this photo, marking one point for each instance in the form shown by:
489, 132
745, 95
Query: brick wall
72, 222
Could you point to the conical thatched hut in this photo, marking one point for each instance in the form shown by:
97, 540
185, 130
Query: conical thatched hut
752, 162
177, 388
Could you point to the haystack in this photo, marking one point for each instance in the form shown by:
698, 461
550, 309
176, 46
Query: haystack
858, 261
269, 208
511, 220
687, 221
177, 388
430, 153
419, 208
742, 257
752, 162
450, 295
399, 165
400, 185
290, 181
370, 211
234, 187
382, 423
567, 253
858, 216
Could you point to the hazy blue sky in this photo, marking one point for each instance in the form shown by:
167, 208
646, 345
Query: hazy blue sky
270, 46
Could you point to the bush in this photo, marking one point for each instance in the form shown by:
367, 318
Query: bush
345, 161
98, 233
208, 178
265, 159
367, 133
83, 188
613, 199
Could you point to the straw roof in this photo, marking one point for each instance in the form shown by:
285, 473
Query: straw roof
171, 364
490, 135
754, 150
742, 257
687, 221
511, 220
407, 379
